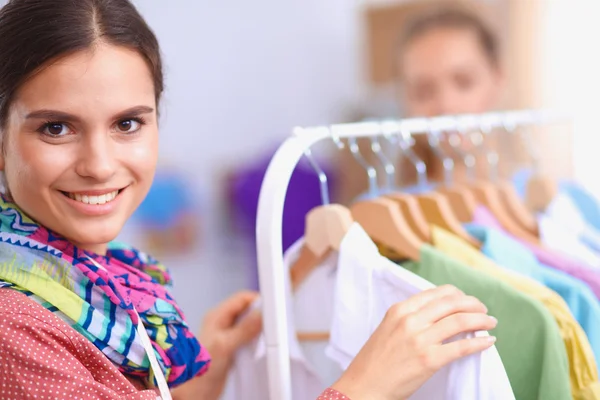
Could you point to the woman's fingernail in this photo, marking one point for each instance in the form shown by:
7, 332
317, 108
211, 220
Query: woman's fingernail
494, 320
491, 339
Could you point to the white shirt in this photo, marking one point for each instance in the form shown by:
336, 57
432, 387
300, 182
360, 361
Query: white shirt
349, 295
563, 228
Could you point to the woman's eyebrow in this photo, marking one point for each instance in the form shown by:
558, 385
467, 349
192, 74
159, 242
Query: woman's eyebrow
55, 115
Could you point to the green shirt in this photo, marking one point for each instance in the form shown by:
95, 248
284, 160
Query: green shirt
529, 341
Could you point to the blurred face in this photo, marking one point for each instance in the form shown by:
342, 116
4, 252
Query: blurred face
446, 71
81, 144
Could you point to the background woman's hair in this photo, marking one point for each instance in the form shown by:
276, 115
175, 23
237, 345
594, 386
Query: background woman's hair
452, 17
34, 33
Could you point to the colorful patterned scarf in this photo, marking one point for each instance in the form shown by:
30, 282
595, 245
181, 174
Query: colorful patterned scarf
101, 304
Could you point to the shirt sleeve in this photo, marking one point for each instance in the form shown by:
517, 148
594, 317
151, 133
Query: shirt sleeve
38, 360
331, 394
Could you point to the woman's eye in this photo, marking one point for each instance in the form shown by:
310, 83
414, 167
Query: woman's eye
56, 129
128, 125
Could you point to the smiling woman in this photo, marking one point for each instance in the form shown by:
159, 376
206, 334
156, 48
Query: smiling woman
80, 87
80, 84
79, 133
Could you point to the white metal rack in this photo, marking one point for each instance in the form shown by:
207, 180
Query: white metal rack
272, 198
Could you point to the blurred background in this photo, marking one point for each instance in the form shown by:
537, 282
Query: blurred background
240, 75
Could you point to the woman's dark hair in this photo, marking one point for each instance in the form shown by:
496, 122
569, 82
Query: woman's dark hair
453, 17
34, 33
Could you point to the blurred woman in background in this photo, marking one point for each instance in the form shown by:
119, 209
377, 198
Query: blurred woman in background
448, 62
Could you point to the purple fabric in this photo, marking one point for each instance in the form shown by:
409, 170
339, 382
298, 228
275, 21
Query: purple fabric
303, 194
546, 256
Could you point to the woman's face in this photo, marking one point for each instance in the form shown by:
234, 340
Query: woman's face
446, 71
81, 144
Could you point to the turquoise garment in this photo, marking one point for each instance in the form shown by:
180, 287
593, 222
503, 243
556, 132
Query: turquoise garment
512, 255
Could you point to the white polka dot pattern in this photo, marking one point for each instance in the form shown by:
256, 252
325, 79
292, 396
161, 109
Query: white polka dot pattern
41, 357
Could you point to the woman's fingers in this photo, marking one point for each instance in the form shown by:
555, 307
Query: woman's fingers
421, 300
449, 305
443, 355
456, 324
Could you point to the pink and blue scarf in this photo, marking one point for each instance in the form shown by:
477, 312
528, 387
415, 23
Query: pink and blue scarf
101, 303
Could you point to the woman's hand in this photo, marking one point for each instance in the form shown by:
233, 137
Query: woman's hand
407, 348
222, 334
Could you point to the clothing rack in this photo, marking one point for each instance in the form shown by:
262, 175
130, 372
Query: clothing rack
272, 198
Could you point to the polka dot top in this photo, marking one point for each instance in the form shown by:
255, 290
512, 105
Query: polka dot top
43, 358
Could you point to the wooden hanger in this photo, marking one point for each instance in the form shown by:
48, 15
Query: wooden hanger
409, 207
517, 208
437, 211
539, 192
487, 195
325, 229
384, 223
462, 202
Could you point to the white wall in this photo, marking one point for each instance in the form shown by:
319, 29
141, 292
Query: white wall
571, 77
240, 75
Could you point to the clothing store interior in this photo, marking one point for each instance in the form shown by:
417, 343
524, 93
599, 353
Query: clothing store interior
339, 157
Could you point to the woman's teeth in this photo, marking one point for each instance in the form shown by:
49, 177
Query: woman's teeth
94, 200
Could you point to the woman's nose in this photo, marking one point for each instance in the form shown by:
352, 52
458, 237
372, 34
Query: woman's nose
97, 158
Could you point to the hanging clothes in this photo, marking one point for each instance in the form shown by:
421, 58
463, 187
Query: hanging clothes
311, 370
563, 227
352, 290
529, 341
513, 256
367, 286
586, 202
582, 363
546, 256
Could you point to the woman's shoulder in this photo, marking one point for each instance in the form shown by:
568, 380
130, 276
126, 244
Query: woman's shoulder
27, 318
15, 302
37, 348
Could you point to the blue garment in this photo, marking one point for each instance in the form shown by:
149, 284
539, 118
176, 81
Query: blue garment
512, 255
588, 205
585, 202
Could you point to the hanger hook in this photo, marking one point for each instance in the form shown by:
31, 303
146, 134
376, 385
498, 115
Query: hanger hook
388, 166
455, 140
433, 138
371, 171
406, 142
491, 155
530, 148
322, 177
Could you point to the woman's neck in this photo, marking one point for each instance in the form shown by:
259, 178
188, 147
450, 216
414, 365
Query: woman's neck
99, 249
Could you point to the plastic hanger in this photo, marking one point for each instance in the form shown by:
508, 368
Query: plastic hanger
381, 218
326, 227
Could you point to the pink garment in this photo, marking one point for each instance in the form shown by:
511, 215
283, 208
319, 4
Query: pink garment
545, 256
331, 394
42, 357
